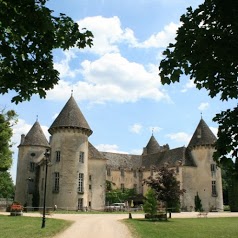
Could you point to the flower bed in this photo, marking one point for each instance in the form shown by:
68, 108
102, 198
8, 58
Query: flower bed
16, 209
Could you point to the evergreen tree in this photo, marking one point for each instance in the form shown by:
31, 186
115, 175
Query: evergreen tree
150, 203
198, 204
7, 119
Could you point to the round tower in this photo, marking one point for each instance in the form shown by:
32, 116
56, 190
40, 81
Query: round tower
30, 151
68, 170
205, 176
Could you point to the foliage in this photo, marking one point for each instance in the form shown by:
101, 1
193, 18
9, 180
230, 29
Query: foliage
117, 195
6, 185
198, 203
166, 186
185, 228
29, 32
150, 203
7, 119
206, 49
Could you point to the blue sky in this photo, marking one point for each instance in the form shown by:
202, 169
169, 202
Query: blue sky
116, 82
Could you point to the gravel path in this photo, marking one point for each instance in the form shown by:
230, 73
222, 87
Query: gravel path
95, 226
109, 225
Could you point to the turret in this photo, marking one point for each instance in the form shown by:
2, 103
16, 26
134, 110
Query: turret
31, 150
69, 158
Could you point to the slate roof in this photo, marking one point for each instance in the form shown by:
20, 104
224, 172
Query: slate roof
35, 136
152, 146
202, 135
70, 117
93, 152
127, 161
172, 157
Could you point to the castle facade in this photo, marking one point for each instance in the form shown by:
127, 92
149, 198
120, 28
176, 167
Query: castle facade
77, 172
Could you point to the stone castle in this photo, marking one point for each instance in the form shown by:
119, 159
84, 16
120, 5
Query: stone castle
77, 172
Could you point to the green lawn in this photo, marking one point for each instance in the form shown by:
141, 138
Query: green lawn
185, 228
30, 227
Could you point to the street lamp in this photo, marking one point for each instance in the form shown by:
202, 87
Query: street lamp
47, 157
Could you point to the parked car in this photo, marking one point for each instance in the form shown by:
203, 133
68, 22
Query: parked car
116, 207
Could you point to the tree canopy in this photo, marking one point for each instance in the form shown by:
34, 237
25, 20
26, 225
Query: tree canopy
206, 49
7, 119
6, 185
166, 187
29, 32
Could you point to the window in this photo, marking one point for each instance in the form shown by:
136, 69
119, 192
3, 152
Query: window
90, 178
80, 204
108, 172
80, 189
135, 174
213, 169
214, 189
32, 166
122, 172
81, 157
57, 156
90, 186
56, 182
122, 187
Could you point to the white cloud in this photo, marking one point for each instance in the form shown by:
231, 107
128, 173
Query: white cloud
63, 65
112, 78
190, 84
107, 32
180, 137
203, 106
136, 128
162, 38
109, 148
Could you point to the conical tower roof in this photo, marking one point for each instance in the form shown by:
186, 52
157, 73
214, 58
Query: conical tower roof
35, 136
202, 135
152, 146
70, 117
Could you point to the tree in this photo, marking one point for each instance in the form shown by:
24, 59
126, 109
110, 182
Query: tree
165, 186
150, 203
206, 49
7, 119
29, 32
117, 195
198, 204
6, 185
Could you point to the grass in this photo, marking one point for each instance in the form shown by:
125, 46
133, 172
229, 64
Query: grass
28, 227
185, 228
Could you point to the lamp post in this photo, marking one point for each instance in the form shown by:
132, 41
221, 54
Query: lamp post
47, 156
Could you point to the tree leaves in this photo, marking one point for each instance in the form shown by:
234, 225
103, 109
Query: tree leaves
28, 34
206, 49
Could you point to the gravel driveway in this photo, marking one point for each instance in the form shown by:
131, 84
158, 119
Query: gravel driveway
95, 226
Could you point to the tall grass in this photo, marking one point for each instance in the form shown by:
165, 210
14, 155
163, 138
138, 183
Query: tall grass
185, 228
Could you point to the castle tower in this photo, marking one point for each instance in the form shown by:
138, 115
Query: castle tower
31, 150
68, 172
204, 177
152, 147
